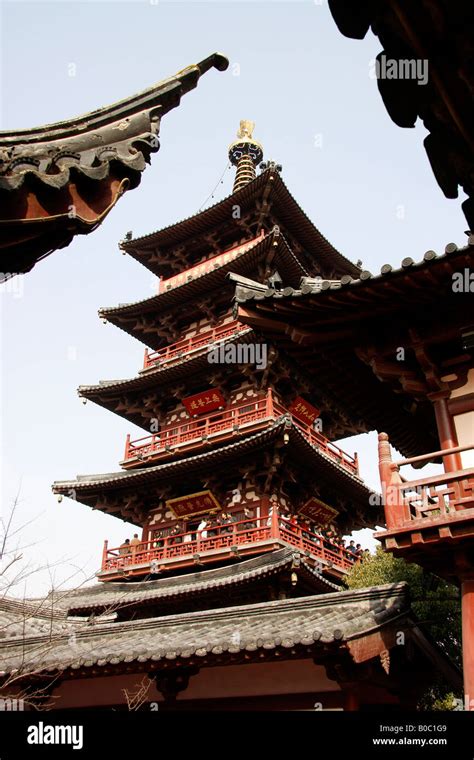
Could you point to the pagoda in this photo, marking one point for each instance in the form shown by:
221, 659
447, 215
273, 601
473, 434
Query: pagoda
237, 435
233, 595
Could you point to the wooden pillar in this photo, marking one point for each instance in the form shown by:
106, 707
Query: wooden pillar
396, 511
467, 595
104, 555
275, 531
447, 434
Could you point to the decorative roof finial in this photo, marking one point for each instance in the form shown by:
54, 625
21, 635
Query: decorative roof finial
245, 153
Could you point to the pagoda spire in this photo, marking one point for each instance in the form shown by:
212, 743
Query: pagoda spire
245, 153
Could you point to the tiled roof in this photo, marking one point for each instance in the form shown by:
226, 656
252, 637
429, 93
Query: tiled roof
288, 212
409, 271
111, 596
188, 364
125, 315
322, 324
58, 166
326, 619
86, 486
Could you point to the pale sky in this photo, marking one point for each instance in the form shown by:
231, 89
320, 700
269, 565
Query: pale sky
365, 183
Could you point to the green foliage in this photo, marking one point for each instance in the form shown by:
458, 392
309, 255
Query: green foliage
432, 700
435, 602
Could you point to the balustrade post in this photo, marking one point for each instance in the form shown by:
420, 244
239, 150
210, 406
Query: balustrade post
269, 409
104, 555
127, 446
275, 523
145, 359
396, 511
356, 462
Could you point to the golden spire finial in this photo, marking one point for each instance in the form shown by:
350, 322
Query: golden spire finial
246, 129
245, 153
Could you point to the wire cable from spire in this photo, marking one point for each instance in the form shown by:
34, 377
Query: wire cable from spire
220, 182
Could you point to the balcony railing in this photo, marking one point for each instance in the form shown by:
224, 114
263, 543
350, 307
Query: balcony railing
226, 424
250, 534
175, 352
436, 498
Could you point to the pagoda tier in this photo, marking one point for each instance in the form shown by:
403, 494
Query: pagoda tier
183, 368
258, 535
161, 318
247, 412
243, 215
276, 470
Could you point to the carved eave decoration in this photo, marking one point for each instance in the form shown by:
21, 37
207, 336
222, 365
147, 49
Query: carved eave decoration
62, 179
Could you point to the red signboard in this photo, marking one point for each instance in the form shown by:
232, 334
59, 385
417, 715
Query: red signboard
303, 410
193, 504
202, 403
207, 266
317, 510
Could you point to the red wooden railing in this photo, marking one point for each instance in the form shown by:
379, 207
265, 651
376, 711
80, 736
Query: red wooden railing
176, 351
243, 533
432, 498
227, 423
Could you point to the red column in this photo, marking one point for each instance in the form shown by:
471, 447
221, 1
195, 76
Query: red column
467, 592
447, 434
275, 522
104, 555
396, 512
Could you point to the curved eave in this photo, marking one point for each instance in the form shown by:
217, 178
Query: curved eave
126, 316
288, 211
83, 133
84, 164
107, 394
87, 488
376, 290
102, 597
319, 325
322, 623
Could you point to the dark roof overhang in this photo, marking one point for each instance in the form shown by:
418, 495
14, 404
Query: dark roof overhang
437, 33
62, 179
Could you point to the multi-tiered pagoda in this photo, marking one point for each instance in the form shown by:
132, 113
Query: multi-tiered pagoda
236, 435
232, 596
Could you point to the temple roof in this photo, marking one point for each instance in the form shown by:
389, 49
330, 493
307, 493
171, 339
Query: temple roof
327, 622
109, 393
90, 489
266, 192
370, 288
84, 164
130, 317
435, 34
325, 325
110, 597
